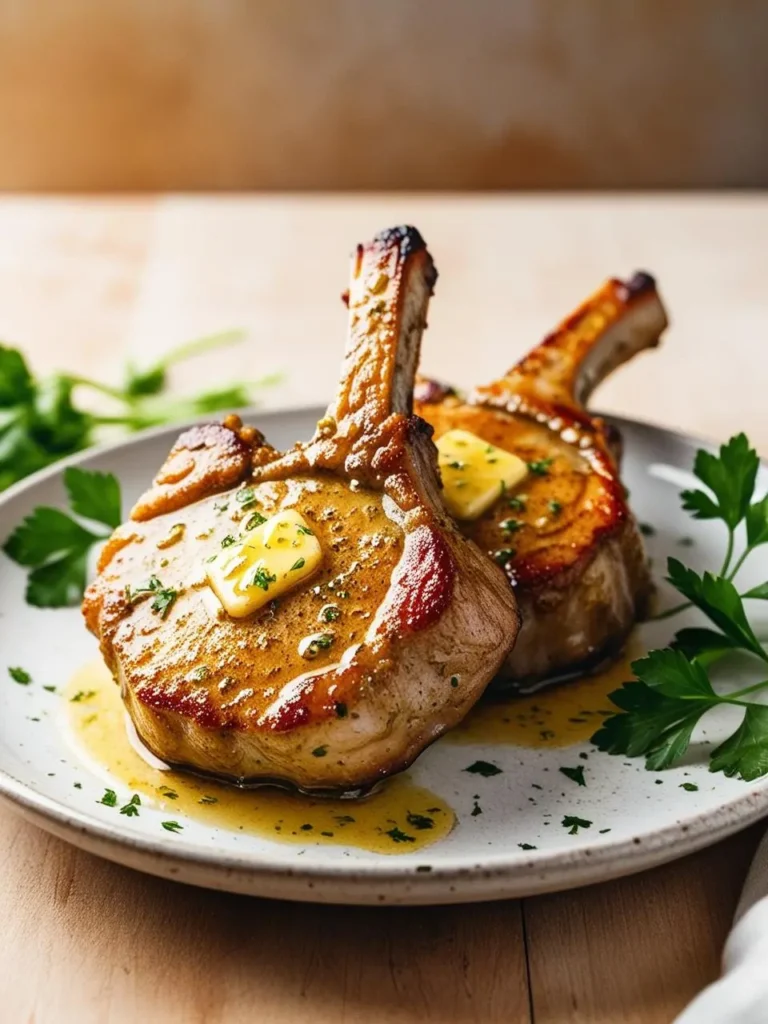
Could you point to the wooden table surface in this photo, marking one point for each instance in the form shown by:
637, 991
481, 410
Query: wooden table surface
85, 283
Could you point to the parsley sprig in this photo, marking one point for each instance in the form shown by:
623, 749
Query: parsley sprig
55, 545
659, 710
43, 419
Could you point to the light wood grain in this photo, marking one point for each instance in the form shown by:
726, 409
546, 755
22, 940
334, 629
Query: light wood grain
85, 283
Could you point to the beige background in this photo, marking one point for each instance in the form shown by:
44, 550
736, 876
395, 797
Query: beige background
197, 94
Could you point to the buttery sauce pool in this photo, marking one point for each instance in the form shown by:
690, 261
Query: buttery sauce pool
557, 716
399, 818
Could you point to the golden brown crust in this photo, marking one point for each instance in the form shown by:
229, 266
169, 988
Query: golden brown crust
422, 605
549, 542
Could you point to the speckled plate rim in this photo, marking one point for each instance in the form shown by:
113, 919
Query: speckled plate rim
389, 881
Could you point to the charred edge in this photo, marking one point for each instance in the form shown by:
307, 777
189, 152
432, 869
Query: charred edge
419, 427
409, 242
431, 392
640, 283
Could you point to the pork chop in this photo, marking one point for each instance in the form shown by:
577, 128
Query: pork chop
566, 538
397, 621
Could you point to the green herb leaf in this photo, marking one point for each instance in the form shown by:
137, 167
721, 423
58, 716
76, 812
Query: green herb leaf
20, 675
94, 495
730, 476
540, 467
484, 768
689, 787
705, 645
262, 578
397, 836
298, 564
109, 799
757, 523
745, 753
131, 809
573, 823
718, 598
172, 826
574, 774
421, 822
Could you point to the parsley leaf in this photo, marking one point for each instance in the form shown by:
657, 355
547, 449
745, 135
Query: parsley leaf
660, 709
484, 768
109, 799
94, 495
20, 675
573, 824
705, 645
171, 826
131, 809
730, 476
718, 598
745, 753
55, 546
574, 774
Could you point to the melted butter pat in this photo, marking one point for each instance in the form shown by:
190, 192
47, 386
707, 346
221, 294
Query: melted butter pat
559, 716
400, 818
271, 558
475, 473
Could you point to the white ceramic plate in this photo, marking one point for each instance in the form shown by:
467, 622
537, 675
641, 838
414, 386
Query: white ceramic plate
638, 818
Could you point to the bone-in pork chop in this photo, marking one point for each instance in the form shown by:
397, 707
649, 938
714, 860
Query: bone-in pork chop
565, 536
310, 617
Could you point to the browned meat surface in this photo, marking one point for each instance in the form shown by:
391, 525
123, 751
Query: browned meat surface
567, 539
415, 620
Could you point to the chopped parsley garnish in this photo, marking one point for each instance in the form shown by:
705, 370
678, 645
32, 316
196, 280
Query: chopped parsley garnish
646, 529
50, 689
298, 564
454, 681
171, 826
527, 846
131, 809
320, 642
574, 774
109, 799
263, 579
305, 530
330, 613
82, 695
245, 497
504, 555
20, 675
540, 467
457, 465
166, 791
517, 504
254, 520
511, 525
573, 824
397, 836
421, 822
205, 799
228, 541
484, 768
320, 751
162, 600
555, 507
54, 546
689, 787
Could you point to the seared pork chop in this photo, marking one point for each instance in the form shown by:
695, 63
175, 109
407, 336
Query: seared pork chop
397, 622
565, 537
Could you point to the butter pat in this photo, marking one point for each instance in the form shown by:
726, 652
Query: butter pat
475, 474
268, 561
